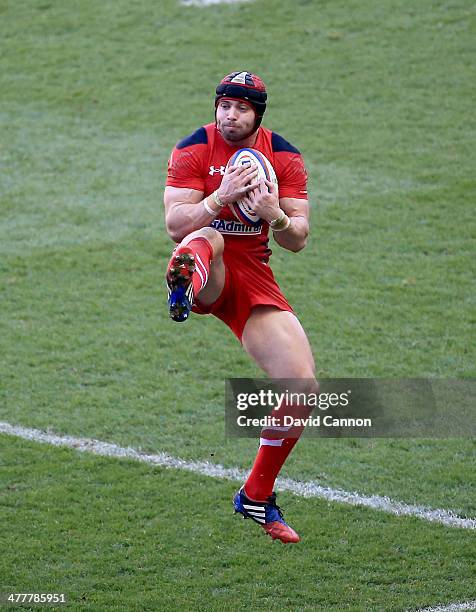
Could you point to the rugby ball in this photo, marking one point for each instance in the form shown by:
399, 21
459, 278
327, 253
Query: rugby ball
245, 157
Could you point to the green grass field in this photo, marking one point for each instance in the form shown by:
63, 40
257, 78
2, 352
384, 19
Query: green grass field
379, 97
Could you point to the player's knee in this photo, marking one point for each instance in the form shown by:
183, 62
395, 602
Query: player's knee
212, 235
304, 370
214, 238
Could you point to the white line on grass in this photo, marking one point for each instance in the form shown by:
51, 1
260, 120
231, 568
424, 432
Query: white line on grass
303, 489
469, 605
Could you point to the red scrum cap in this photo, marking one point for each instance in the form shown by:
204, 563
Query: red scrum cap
244, 86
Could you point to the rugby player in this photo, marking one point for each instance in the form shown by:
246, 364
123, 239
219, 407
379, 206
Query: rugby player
220, 265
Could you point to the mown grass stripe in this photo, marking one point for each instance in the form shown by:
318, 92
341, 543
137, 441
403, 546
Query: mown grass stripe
210, 2
204, 468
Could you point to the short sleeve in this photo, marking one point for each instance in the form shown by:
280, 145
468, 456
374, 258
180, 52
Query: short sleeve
289, 168
185, 166
292, 175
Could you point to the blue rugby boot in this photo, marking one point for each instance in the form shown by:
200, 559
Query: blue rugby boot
267, 514
179, 283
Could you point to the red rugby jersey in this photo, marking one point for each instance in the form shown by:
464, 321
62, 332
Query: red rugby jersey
199, 161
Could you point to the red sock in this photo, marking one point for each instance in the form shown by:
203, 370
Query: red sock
266, 468
203, 252
273, 452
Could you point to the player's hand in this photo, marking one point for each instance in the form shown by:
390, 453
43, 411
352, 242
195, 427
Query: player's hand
236, 182
264, 200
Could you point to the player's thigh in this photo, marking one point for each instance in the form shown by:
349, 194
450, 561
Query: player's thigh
277, 342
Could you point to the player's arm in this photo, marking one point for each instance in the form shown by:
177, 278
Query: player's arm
287, 217
294, 237
186, 210
183, 212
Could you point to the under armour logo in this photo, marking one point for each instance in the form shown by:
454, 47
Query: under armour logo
221, 170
